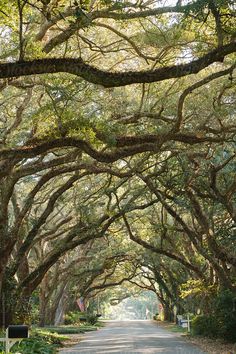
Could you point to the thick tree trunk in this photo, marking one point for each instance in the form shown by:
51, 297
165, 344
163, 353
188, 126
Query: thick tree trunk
7, 300
60, 305
5, 314
167, 313
60, 311
42, 309
12, 311
14, 305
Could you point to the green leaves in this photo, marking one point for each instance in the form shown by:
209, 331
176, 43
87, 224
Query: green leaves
40, 342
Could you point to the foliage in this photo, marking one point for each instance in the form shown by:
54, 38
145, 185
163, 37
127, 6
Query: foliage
74, 317
82, 328
198, 294
78, 317
92, 319
40, 342
205, 325
222, 322
225, 311
129, 187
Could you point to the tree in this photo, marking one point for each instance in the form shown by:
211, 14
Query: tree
61, 133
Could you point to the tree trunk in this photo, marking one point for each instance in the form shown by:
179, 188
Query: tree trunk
60, 311
7, 300
167, 313
13, 312
42, 308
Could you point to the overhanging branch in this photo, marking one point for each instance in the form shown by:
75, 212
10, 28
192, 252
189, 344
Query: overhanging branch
112, 79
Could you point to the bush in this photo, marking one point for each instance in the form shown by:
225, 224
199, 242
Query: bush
228, 330
48, 337
92, 319
73, 318
40, 342
78, 317
34, 346
156, 317
225, 309
222, 322
205, 325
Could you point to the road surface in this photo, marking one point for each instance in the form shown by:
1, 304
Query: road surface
132, 337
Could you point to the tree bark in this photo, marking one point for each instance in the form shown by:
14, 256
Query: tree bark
112, 79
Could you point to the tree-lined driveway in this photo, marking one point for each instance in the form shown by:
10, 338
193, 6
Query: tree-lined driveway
132, 337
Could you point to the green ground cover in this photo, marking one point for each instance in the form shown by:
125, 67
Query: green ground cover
71, 329
46, 340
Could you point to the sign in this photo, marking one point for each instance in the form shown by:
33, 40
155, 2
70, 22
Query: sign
184, 324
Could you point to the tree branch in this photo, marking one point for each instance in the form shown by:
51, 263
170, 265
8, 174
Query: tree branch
112, 79
193, 87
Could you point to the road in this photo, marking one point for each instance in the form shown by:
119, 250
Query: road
132, 337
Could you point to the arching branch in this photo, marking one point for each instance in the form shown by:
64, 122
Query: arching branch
112, 79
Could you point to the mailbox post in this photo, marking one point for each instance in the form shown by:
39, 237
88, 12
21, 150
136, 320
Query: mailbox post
14, 333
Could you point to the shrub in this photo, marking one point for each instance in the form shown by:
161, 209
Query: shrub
78, 317
92, 319
205, 325
225, 310
48, 337
156, 317
75, 317
40, 342
222, 322
34, 346
72, 318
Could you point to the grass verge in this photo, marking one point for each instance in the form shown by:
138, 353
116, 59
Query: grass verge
172, 327
208, 345
40, 342
49, 339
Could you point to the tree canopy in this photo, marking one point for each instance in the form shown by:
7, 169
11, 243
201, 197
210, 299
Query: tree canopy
117, 151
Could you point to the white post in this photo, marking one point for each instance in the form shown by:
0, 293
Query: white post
10, 342
188, 323
7, 342
8, 346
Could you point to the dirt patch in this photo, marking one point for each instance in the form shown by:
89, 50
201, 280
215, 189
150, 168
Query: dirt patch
210, 346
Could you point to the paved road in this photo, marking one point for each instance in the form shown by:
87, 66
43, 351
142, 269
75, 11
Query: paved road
132, 337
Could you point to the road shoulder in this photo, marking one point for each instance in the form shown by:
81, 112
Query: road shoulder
208, 345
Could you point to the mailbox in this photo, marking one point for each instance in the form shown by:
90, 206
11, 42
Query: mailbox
18, 331
83, 319
14, 334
